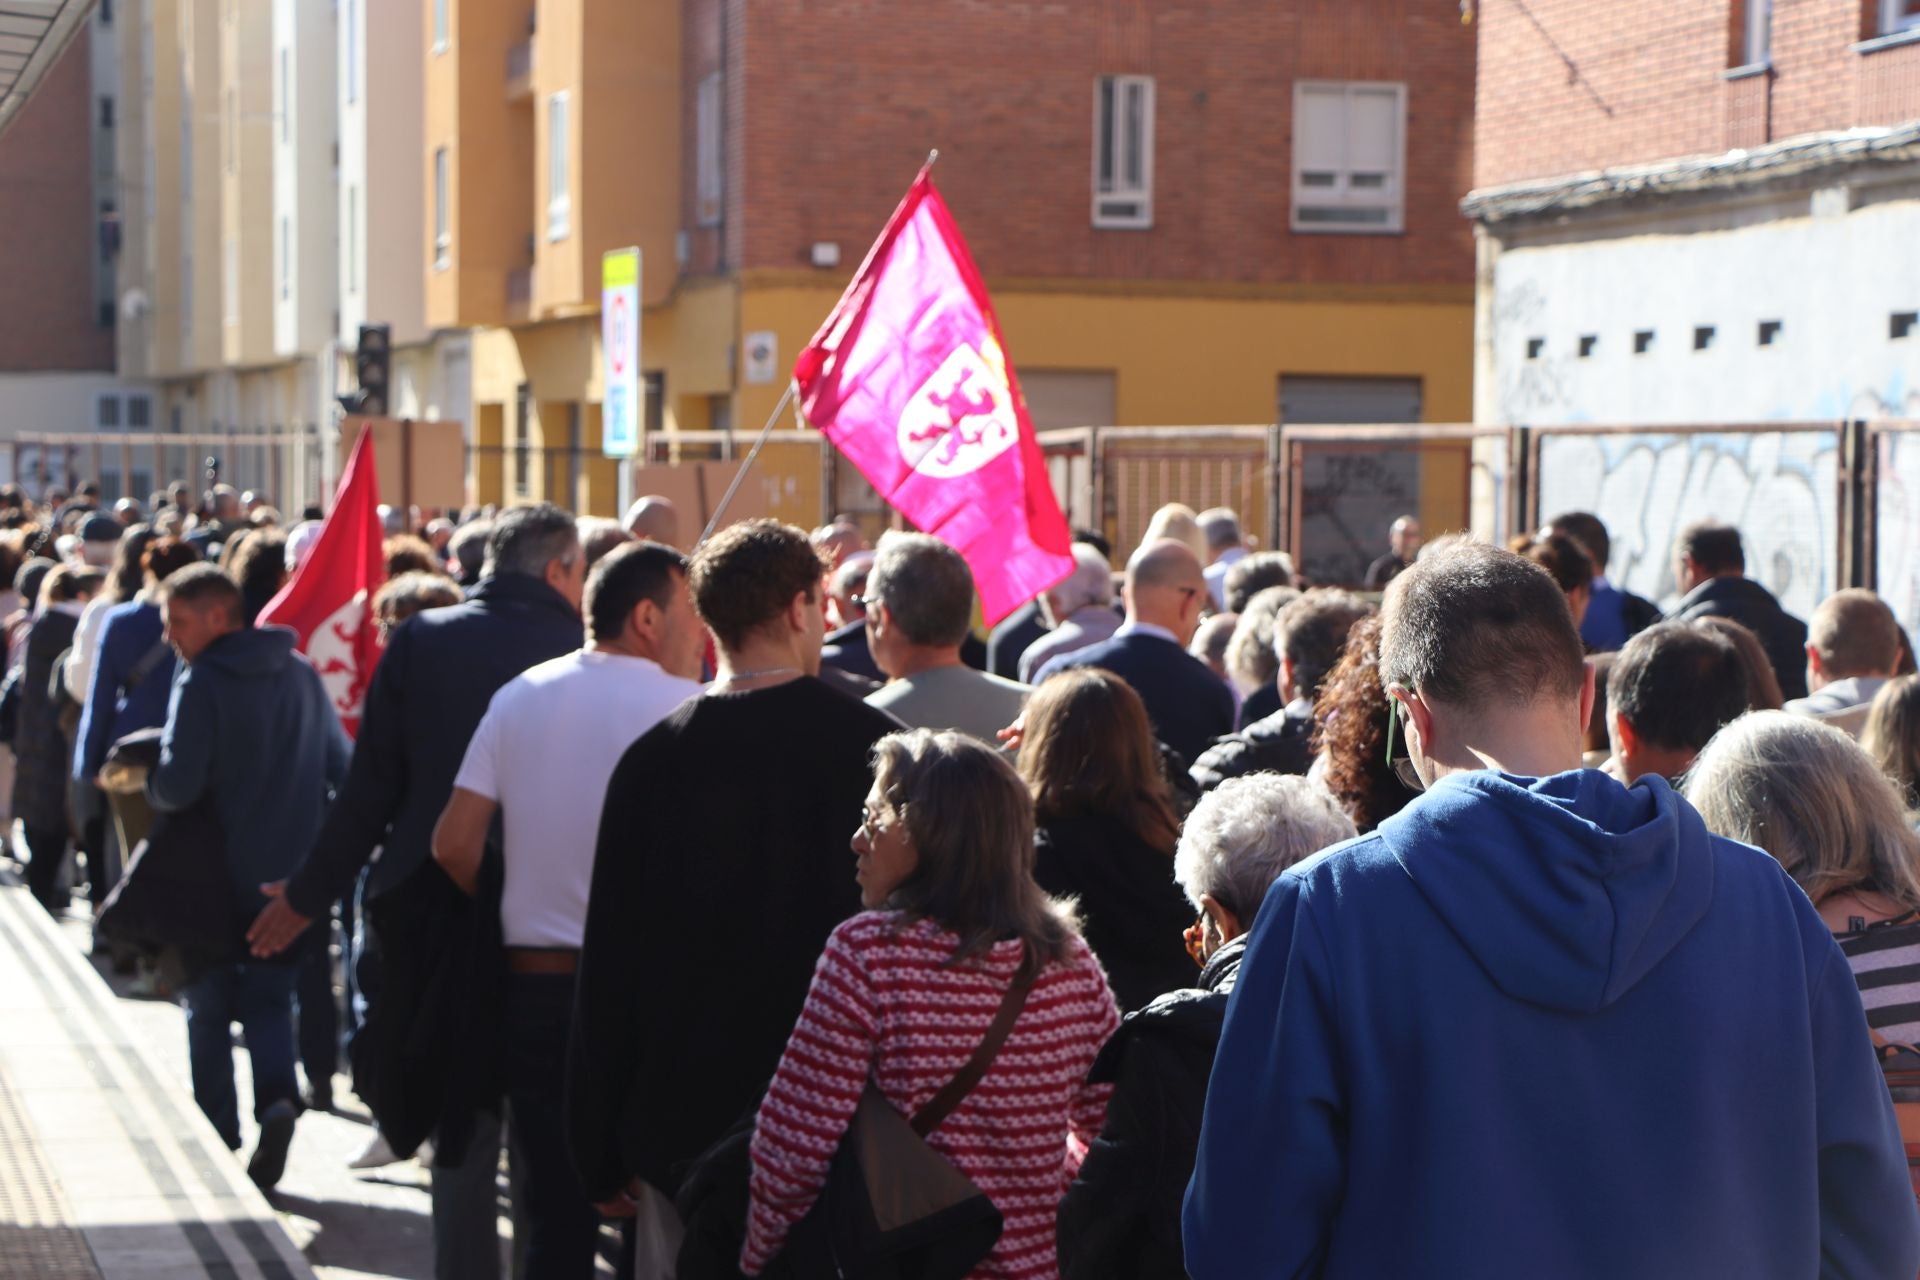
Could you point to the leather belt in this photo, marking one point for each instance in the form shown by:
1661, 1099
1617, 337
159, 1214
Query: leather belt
547, 960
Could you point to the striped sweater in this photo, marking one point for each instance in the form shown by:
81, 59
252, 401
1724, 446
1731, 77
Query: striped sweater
884, 1004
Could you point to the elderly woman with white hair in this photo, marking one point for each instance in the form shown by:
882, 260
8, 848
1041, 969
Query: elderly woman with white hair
1079, 608
1810, 796
1121, 1217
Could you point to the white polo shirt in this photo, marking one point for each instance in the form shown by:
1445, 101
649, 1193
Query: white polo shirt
544, 753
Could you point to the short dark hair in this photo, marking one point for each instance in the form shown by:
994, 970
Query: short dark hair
925, 585
165, 557
1586, 529
1561, 556
1714, 546
625, 576
1311, 633
1675, 685
468, 546
1470, 624
745, 575
1094, 540
528, 539
1250, 575
202, 586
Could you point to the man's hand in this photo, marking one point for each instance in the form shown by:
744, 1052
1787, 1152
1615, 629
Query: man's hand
623, 1205
277, 925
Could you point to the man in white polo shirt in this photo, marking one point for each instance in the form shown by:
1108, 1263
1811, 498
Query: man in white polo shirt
542, 758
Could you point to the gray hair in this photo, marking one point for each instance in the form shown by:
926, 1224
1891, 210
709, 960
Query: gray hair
1248, 830
925, 585
1807, 794
528, 539
1251, 659
1091, 582
468, 546
1221, 525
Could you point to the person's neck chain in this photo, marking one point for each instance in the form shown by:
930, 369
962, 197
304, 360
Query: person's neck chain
736, 677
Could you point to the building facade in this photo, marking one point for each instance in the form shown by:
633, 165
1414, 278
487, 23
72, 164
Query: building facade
1177, 229
1698, 215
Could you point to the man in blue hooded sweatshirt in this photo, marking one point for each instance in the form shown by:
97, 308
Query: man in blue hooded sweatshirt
1539, 1024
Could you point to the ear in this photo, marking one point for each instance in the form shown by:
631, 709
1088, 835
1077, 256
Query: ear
797, 610
646, 620
1419, 718
1286, 679
1813, 659
1226, 922
1621, 735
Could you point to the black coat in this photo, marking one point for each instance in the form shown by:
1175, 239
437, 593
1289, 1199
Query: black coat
1258, 705
1010, 639
846, 649
1281, 743
1132, 912
1782, 635
1121, 1217
42, 753
1188, 704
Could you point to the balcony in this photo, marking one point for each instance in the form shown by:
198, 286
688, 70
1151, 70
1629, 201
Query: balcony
520, 72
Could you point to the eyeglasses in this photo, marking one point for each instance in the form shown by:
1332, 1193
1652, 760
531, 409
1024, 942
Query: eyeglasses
1402, 766
864, 603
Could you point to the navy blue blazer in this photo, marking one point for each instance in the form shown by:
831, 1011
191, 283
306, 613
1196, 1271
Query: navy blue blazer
1188, 704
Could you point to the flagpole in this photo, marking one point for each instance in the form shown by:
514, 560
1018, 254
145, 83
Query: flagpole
741, 475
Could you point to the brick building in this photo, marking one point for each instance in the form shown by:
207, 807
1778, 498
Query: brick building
1188, 212
1697, 212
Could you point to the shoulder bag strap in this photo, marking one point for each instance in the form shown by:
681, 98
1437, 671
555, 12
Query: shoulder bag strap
148, 661
941, 1105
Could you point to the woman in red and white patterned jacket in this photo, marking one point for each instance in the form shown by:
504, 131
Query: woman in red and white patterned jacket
906, 990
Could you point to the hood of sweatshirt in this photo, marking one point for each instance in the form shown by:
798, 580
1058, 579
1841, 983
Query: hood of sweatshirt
1568, 889
249, 653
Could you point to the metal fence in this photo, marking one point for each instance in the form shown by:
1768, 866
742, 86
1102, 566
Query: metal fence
286, 467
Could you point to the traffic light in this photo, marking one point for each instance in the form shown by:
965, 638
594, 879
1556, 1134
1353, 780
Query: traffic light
371, 357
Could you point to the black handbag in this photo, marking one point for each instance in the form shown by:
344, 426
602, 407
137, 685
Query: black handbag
893, 1208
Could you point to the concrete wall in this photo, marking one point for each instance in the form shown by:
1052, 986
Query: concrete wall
382, 184
1831, 276
304, 203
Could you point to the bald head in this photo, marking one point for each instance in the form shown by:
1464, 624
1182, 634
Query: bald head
654, 519
1166, 587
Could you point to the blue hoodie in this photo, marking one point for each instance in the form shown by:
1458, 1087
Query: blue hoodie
1546, 1028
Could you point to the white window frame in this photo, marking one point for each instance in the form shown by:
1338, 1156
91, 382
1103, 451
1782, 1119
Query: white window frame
709, 146
1390, 197
106, 413
353, 51
442, 221
1893, 22
1759, 37
559, 188
440, 37
1117, 203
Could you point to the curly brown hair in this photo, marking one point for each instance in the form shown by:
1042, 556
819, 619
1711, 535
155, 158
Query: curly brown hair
1350, 728
747, 574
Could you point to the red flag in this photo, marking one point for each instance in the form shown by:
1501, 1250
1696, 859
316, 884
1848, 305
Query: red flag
328, 602
910, 379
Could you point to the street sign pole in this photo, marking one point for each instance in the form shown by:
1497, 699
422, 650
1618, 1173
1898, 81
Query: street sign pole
622, 408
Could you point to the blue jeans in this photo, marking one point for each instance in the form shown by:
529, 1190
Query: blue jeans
259, 996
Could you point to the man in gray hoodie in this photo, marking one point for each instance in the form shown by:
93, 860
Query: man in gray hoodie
251, 731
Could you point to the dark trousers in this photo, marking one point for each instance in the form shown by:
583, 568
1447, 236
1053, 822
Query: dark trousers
319, 1034
46, 851
562, 1226
259, 996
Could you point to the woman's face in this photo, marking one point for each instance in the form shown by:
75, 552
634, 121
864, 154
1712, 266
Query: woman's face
884, 852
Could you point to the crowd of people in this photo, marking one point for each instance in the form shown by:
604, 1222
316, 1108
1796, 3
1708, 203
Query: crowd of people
1205, 920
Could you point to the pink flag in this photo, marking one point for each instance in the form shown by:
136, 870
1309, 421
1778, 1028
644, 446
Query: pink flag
910, 380
329, 601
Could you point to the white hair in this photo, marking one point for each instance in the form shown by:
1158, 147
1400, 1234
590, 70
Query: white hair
1246, 831
1091, 582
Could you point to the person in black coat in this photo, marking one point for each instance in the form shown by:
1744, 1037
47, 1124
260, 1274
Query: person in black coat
41, 746
1309, 636
1710, 566
1165, 591
1121, 1217
440, 670
1105, 827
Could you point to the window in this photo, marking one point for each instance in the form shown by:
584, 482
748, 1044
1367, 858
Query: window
139, 413
1770, 332
439, 26
1536, 347
1349, 156
1702, 337
106, 111
1757, 47
353, 239
1123, 151
107, 416
1902, 324
1588, 343
106, 13
709, 153
442, 237
353, 50
1642, 341
1899, 15
559, 194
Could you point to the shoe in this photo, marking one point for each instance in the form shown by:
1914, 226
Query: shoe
378, 1154
424, 1152
319, 1099
269, 1160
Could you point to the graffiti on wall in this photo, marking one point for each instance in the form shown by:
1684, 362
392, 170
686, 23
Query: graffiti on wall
1897, 527
1778, 487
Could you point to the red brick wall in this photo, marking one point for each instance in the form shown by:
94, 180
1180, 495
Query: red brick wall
843, 98
1572, 85
49, 236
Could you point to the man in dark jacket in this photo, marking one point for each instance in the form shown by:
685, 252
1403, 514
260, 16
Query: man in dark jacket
1121, 1217
1308, 637
1515, 999
251, 730
1710, 567
1614, 614
1165, 591
433, 684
